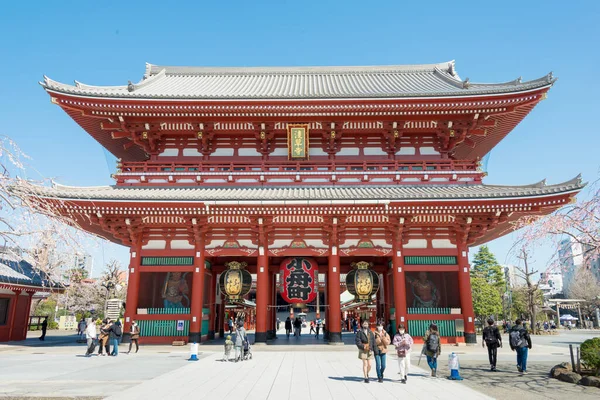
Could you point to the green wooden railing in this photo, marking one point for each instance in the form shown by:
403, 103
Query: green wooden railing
446, 328
432, 310
175, 261
430, 260
163, 328
168, 310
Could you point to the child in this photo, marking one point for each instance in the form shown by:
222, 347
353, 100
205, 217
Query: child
228, 347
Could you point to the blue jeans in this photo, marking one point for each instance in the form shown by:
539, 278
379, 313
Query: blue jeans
115, 345
522, 358
380, 364
432, 362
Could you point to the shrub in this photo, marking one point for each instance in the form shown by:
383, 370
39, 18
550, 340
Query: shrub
590, 354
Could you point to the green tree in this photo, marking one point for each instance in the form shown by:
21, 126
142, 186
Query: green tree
486, 299
486, 267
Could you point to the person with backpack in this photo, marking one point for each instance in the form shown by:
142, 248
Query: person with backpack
520, 341
288, 327
493, 340
432, 348
403, 343
115, 332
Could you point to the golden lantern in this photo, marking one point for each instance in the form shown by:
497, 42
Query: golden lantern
362, 281
236, 281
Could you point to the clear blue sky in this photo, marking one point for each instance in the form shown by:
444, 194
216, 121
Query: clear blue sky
108, 42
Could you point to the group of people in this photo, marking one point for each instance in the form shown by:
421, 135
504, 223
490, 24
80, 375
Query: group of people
296, 325
519, 340
374, 345
108, 335
240, 344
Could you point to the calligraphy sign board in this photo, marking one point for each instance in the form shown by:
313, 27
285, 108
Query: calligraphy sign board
298, 141
298, 282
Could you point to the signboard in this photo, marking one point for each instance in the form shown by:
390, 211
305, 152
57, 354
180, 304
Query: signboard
298, 141
298, 283
180, 324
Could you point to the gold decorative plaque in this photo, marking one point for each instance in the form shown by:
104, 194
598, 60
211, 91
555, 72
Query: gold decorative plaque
298, 142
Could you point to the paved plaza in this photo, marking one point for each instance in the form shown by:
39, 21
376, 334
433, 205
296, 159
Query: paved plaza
303, 368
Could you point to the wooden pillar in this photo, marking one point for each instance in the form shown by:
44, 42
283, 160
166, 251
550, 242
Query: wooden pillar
334, 321
221, 320
212, 301
464, 287
26, 327
262, 286
197, 286
398, 273
133, 285
13, 313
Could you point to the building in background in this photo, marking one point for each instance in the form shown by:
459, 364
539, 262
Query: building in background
572, 255
512, 276
551, 284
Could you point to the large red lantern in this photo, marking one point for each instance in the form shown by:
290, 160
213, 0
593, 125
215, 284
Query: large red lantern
298, 279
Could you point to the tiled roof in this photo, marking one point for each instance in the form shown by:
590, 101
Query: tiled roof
321, 193
393, 81
20, 273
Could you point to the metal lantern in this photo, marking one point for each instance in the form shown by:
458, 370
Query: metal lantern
362, 281
236, 281
298, 280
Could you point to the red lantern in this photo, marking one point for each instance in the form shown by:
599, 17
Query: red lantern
298, 279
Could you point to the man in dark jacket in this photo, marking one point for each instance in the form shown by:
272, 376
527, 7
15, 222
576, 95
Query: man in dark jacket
520, 341
115, 332
493, 340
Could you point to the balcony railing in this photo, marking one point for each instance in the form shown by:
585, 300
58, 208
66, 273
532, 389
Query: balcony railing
218, 173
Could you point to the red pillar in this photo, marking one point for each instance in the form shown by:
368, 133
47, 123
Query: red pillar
197, 289
133, 285
13, 313
466, 297
212, 301
262, 288
221, 320
26, 327
399, 282
334, 321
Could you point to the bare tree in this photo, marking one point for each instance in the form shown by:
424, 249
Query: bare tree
585, 286
531, 289
31, 226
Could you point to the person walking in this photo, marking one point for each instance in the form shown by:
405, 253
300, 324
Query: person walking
493, 340
355, 325
230, 325
81, 327
297, 327
44, 328
288, 327
312, 327
228, 347
115, 333
520, 341
403, 343
90, 336
103, 338
317, 327
382, 341
240, 338
432, 348
365, 341
135, 336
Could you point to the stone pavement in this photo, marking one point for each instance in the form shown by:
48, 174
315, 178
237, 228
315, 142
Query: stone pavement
293, 375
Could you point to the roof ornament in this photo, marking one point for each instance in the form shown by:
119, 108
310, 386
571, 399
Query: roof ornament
550, 77
518, 81
130, 87
466, 83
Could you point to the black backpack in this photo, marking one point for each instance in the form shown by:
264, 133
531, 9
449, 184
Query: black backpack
117, 330
489, 335
433, 343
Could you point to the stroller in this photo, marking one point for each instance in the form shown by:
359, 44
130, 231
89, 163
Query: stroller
246, 351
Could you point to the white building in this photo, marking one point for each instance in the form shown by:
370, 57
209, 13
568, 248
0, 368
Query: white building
571, 255
551, 283
512, 276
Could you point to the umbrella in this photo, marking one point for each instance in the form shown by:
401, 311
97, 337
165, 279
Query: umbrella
568, 317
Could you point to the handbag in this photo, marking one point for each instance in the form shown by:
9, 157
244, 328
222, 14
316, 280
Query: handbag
401, 353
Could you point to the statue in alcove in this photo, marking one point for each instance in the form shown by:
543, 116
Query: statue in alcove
175, 290
424, 291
